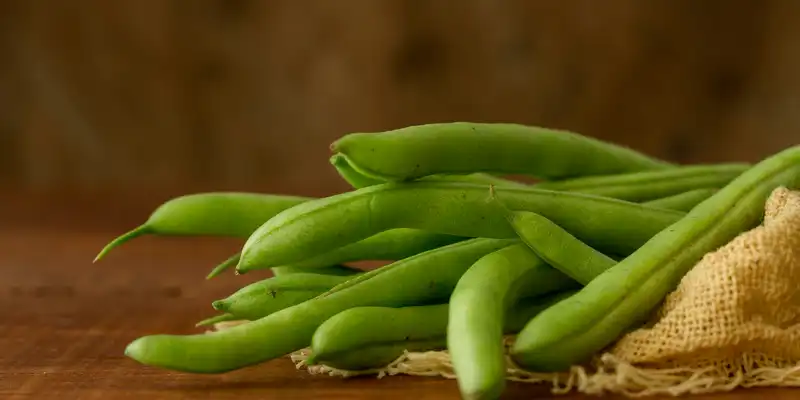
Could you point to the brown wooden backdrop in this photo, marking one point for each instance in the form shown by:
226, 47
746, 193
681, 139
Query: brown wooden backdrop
215, 94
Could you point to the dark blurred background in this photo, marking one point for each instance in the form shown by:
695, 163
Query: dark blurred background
154, 98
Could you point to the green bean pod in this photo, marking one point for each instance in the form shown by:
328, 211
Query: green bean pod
459, 209
233, 214
338, 270
224, 317
427, 278
559, 248
649, 185
390, 245
682, 201
267, 296
463, 147
573, 330
334, 270
364, 338
350, 175
358, 181
478, 306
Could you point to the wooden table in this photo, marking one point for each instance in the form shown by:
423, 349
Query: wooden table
66, 321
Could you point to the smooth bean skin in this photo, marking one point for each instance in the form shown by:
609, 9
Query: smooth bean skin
573, 330
335, 270
464, 147
459, 209
649, 185
338, 270
358, 181
224, 266
365, 338
270, 295
559, 248
350, 175
224, 317
389, 245
233, 214
478, 306
426, 278
682, 201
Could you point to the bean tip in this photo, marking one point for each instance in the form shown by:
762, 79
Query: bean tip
138, 231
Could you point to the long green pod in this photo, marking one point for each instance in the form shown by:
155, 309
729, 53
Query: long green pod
270, 295
224, 317
334, 270
427, 278
358, 180
350, 175
682, 201
478, 306
364, 338
390, 245
559, 248
464, 147
234, 214
573, 330
459, 209
649, 185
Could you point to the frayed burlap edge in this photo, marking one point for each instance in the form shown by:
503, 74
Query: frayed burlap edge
607, 374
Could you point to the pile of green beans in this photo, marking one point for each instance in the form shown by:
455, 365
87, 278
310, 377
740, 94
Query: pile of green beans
568, 263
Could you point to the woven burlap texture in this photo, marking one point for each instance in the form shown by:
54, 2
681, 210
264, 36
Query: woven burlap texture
734, 321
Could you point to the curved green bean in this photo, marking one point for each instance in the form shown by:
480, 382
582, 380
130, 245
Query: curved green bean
559, 248
358, 180
268, 296
463, 147
350, 175
210, 214
224, 266
334, 270
682, 201
460, 209
340, 270
390, 245
224, 317
364, 338
573, 330
427, 278
649, 185
477, 311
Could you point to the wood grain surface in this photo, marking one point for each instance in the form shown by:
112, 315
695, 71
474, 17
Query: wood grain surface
64, 321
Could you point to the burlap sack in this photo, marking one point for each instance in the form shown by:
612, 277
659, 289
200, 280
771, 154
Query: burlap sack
733, 321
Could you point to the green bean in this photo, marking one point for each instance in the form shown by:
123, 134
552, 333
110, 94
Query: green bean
209, 214
573, 330
558, 247
460, 209
358, 180
224, 317
463, 147
224, 266
682, 201
340, 270
427, 278
649, 185
390, 245
364, 338
334, 270
477, 311
268, 296
350, 175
